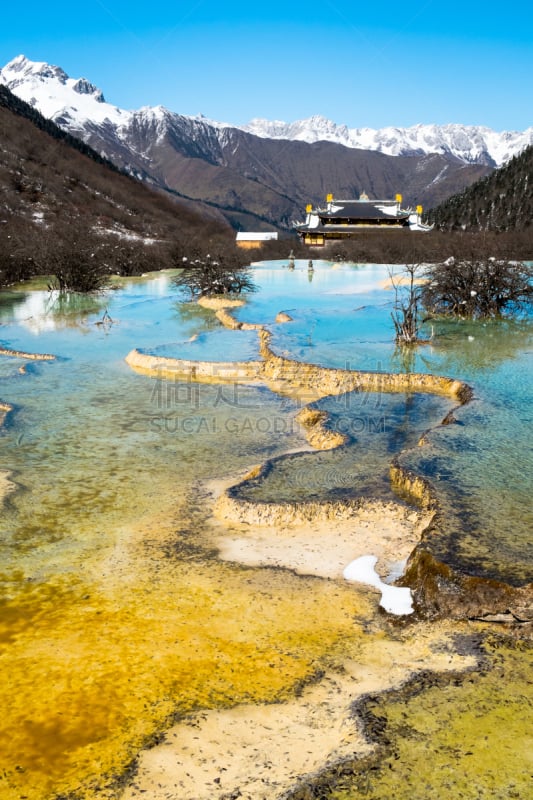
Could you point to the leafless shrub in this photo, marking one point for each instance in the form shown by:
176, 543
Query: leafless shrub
479, 289
215, 275
406, 311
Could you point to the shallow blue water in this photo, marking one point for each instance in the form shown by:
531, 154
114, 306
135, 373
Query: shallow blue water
341, 316
87, 414
376, 425
90, 443
482, 466
148, 314
218, 345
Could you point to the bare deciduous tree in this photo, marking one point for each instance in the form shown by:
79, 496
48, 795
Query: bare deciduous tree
69, 253
478, 289
215, 275
406, 311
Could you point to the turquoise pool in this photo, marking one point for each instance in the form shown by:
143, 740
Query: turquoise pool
481, 466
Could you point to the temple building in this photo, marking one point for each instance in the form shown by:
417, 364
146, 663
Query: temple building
341, 219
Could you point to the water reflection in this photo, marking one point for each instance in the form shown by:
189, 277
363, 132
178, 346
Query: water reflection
475, 347
40, 311
8, 303
198, 317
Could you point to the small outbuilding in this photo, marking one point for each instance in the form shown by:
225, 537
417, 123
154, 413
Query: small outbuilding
252, 239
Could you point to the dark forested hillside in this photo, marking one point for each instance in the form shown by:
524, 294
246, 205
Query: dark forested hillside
503, 201
58, 195
11, 102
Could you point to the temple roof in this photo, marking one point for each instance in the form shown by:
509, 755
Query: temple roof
344, 230
362, 209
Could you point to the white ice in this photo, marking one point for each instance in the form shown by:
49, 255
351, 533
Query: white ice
394, 599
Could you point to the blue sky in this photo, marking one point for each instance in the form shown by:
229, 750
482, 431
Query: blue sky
360, 63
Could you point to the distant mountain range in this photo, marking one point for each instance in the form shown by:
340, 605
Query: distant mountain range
263, 174
471, 144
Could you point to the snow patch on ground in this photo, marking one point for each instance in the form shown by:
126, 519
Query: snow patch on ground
394, 599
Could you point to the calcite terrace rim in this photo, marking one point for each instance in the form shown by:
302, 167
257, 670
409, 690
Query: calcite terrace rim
6, 351
7, 408
438, 589
285, 375
277, 371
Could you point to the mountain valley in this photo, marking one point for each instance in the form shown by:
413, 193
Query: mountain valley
262, 175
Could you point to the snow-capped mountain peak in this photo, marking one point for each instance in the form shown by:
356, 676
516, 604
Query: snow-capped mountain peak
82, 86
22, 69
56, 95
313, 129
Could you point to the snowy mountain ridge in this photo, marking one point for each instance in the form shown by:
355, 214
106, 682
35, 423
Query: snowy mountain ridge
469, 143
76, 104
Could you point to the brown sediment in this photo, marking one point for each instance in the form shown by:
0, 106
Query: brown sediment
5, 351
439, 590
